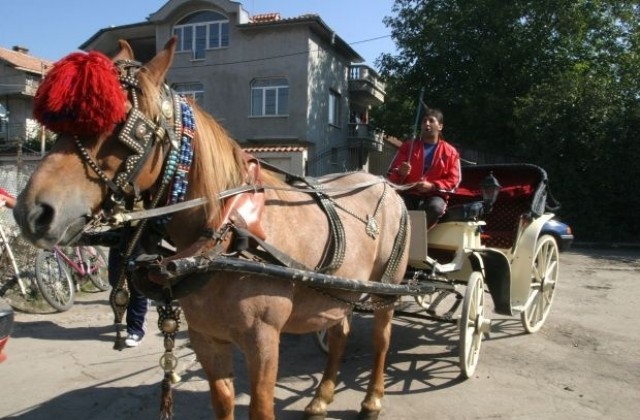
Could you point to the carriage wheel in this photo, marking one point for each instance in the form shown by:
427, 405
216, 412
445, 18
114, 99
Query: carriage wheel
450, 299
322, 338
473, 324
544, 277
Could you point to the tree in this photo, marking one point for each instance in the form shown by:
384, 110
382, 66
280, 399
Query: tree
552, 82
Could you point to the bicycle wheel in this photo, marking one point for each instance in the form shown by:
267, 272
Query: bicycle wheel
95, 260
55, 282
24, 256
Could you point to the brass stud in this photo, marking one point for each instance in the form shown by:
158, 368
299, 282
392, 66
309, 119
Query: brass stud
167, 109
169, 326
141, 130
121, 297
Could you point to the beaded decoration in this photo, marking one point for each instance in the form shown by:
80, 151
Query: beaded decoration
179, 161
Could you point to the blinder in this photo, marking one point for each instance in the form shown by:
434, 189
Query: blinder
139, 133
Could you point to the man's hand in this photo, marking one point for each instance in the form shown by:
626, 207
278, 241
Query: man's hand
423, 187
404, 169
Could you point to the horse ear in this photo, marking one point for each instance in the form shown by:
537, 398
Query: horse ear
159, 65
125, 53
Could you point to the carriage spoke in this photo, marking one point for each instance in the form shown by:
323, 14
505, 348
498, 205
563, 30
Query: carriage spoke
473, 325
544, 276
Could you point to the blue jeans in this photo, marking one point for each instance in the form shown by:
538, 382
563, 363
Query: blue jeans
138, 303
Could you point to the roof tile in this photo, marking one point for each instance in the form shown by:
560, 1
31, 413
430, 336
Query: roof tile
24, 61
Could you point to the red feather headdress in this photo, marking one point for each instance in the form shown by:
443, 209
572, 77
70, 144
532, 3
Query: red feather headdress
81, 95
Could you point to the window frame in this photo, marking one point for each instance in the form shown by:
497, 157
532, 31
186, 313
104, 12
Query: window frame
191, 90
275, 89
190, 35
334, 108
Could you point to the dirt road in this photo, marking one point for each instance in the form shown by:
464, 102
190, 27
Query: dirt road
584, 364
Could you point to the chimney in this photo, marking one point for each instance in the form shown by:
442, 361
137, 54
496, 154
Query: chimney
20, 49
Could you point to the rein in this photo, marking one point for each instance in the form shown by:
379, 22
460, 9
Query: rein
120, 218
175, 125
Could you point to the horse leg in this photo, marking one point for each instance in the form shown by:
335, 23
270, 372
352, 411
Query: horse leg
372, 403
337, 340
216, 358
261, 347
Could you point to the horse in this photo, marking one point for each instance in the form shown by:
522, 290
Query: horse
119, 132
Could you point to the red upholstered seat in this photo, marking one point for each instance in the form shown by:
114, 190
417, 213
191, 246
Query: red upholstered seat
522, 193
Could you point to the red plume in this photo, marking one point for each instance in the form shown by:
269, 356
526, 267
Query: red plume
81, 95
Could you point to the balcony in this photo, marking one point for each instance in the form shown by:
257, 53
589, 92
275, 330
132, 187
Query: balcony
18, 85
368, 136
365, 86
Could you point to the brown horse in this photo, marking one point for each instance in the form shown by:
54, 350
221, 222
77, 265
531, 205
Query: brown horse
83, 171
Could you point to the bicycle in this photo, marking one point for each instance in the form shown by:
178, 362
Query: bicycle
60, 274
17, 256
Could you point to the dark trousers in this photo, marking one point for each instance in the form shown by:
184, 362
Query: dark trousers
434, 206
138, 303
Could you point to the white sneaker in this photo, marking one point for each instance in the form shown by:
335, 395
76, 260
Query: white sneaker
132, 340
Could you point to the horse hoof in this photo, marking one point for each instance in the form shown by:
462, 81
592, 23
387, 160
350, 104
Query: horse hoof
368, 415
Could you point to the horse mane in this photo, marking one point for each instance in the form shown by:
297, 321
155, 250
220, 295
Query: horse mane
217, 165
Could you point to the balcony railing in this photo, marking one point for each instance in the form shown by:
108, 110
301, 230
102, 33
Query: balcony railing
365, 84
18, 85
370, 137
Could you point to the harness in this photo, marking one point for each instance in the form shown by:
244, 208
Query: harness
240, 232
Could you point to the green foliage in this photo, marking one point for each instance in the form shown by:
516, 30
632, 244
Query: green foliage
551, 82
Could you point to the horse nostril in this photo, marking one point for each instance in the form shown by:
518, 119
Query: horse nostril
40, 218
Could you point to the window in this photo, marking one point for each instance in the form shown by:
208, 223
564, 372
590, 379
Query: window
193, 91
269, 97
334, 108
201, 31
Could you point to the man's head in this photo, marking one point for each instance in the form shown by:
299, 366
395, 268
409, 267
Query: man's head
436, 113
432, 125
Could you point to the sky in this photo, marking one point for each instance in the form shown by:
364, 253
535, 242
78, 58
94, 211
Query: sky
51, 29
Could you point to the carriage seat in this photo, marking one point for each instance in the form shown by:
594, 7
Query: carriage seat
522, 195
464, 212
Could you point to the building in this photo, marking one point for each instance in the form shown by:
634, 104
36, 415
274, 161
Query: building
290, 90
20, 76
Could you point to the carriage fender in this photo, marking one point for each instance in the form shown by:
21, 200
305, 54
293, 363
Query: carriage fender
497, 275
522, 261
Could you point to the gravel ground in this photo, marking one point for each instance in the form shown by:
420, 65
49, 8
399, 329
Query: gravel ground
583, 364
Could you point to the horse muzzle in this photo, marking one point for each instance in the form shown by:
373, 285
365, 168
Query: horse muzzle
45, 226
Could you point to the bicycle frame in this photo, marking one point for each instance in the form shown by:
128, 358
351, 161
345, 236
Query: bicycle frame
80, 266
7, 248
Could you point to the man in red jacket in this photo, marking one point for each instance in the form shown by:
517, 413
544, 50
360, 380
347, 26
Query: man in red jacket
430, 165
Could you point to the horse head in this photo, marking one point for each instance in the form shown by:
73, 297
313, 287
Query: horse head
114, 119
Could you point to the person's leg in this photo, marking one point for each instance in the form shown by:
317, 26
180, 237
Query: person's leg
138, 303
412, 201
435, 208
114, 266
136, 312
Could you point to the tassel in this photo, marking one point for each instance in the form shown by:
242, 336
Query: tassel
169, 324
166, 403
118, 344
81, 95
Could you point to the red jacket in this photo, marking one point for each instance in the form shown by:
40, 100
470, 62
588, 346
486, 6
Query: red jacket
444, 171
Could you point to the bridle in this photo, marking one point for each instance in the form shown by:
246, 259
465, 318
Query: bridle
141, 135
175, 124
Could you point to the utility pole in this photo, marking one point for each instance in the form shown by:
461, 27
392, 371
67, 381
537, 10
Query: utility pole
42, 129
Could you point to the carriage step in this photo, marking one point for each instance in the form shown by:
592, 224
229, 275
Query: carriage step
444, 268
